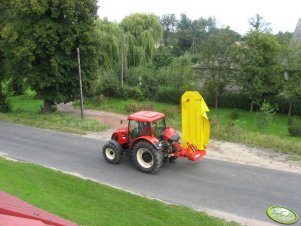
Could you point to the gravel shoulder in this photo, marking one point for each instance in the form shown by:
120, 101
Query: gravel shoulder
219, 150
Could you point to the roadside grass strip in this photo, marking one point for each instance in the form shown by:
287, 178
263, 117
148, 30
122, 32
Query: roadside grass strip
86, 202
26, 110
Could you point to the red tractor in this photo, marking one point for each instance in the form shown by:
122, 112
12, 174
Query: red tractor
150, 143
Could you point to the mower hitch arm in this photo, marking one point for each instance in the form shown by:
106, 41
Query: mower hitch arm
192, 153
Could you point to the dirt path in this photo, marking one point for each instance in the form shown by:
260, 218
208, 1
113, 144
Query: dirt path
220, 150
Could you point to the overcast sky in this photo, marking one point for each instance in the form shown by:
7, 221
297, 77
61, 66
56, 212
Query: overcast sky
283, 15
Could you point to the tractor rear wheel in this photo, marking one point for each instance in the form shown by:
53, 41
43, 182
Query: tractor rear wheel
112, 152
147, 158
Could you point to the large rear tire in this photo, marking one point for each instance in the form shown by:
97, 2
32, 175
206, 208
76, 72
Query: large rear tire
147, 158
112, 152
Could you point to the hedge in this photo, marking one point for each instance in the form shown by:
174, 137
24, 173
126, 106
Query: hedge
240, 101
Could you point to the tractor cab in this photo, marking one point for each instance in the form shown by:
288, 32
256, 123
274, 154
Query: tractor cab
146, 123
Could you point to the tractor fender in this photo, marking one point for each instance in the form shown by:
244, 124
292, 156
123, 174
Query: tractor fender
153, 140
171, 134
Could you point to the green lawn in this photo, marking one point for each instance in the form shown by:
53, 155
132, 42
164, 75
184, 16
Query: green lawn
89, 203
243, 129
247, 120
26, 110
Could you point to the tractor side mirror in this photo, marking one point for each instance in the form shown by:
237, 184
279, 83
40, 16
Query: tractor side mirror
122, 121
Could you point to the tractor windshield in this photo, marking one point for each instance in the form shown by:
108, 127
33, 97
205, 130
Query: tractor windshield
155, 128
137, 129
158, 127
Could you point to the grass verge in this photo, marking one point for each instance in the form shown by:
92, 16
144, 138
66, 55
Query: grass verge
26, 110
88, 203
243, 129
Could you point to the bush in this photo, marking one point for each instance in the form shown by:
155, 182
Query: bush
229, 100
99, 99
145, 78
134, 107
132, 92
240, 101
169, 95
294, 128
265, 115
110, 85
14, 86
147, 106
162, 57
4, 104
234, 114
137, 75
283, 103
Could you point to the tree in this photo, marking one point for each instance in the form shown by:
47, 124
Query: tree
142, 33
191, 33
216, 59
108, 43
184, 34
169, 23
200, 28
259, 24
39, 43
292, 75
284, 38
162, 57
259, 61
4, 9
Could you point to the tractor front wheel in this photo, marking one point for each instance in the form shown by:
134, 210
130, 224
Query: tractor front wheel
112, 152
147, 158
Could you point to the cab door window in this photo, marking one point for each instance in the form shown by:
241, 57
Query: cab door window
133, 129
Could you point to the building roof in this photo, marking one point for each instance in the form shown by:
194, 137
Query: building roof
14, 211
146, 116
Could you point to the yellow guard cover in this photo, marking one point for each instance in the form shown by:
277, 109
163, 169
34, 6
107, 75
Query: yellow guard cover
195, 123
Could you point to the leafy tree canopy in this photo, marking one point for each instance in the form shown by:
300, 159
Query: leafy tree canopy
142, 33
169, 23
39, 41
292, 74
258, 23
108, 42
216, 58
259, 61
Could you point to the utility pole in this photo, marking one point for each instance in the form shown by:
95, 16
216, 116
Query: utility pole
80, 85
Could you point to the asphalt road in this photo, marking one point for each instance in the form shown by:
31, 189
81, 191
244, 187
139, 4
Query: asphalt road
241, 190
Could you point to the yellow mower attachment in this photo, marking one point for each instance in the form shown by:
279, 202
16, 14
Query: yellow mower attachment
195, 123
